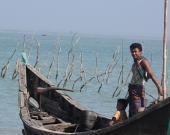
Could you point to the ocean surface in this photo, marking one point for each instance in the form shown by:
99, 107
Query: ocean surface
92, 50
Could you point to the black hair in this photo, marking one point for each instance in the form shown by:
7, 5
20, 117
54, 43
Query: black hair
123, 101
136, 45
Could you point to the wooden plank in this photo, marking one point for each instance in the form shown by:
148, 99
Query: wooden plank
40, 76
41, 114
33, 123
22, 78
48, 120
51, 106
61, 127
67, 110
72, 102
21, 99
61, 121
24, 113
34, 117
45, 100
53, 110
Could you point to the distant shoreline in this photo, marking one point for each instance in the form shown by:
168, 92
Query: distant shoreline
83, 34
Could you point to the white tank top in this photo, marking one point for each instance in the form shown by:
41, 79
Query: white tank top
136, 77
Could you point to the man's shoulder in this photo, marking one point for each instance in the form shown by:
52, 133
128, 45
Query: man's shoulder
144, 62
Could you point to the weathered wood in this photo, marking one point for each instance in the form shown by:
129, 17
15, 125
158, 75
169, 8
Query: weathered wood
55, 111
22, 78
40, 76
51, 106
40, 114
24, 113
21, 100
48, 120
71, 101
61, 127
41, 90
45, 100
43, 117
34, 117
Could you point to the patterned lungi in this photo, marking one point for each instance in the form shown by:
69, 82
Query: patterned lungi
136, 98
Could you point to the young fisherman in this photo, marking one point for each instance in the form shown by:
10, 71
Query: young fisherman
141, 73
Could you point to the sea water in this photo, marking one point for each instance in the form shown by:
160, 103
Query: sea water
96, 51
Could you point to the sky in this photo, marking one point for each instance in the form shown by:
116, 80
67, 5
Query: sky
99, 17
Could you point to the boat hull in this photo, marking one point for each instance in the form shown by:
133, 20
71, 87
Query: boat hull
153, 121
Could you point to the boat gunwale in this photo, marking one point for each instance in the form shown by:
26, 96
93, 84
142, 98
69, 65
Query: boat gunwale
137, 116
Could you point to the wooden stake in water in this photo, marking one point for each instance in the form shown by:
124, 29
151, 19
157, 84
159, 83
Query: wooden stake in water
51, 65
32, 42
38, 53
122, 61
5, 68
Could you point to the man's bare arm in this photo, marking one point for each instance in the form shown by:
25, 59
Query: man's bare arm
146, 66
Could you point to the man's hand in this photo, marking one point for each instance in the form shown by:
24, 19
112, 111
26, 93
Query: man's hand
160, 91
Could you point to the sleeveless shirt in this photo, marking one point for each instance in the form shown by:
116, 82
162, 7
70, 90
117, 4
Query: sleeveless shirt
136, 77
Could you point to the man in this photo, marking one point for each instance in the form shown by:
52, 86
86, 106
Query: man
141, 73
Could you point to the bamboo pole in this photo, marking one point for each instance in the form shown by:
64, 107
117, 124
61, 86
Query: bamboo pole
5, 68
58, 61
15, 73
81, 67
23, 50
38, 53
54, 57
122, 61
164, 48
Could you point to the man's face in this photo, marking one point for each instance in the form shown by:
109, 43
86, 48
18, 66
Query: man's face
135, 53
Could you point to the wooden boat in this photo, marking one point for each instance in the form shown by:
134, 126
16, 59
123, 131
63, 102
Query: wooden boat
46, 111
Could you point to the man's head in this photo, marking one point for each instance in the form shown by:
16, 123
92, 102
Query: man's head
136, 50
121, 104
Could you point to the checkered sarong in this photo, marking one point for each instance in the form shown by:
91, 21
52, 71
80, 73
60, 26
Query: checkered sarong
136, 98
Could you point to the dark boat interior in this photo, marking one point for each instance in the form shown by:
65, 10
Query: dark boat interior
54, 110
